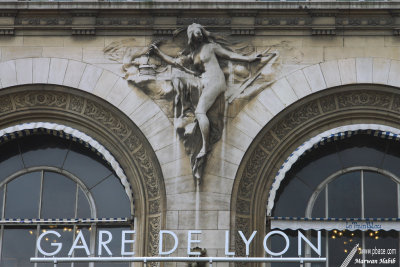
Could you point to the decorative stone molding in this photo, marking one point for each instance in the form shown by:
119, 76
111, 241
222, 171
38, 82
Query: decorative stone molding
137, 17
243, 31
6, 31
83, 31
116, 132
207, 21
324, 31
163, 31
281, 136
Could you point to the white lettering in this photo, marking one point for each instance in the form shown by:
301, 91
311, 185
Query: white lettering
276, 233
58, 245
300, 237
190, 241
104, 243
247, 242
127, 241
160, 244
227, 253
75, 245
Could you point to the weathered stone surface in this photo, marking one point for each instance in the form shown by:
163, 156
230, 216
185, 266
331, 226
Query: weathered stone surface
24, 70
330, 70
299, 83
74, 73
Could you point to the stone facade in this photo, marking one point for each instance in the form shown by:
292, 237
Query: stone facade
339, 64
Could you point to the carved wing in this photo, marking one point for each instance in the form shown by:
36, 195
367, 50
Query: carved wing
255, 78
124, 50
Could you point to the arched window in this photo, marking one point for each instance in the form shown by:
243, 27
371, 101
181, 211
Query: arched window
349, 188
57, 183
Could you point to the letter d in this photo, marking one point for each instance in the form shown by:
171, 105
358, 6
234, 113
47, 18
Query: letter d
160, 244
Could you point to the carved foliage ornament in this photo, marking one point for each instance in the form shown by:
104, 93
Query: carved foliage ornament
263, 152
89, 110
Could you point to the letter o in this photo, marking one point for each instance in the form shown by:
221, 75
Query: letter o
276, 233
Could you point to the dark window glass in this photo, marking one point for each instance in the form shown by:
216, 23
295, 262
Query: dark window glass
316, 166
380, 196
58, 191
344, 196
362, 150
18, 246
387, 240
318, 210
52, 150
341, 244
10, 159
296, 193
22, 196
117, 204
84, 164
83, 206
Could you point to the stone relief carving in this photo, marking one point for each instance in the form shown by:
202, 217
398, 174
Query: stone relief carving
51, 99
206, 75
262, 151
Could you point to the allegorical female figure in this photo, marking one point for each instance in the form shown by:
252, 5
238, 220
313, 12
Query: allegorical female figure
206, 76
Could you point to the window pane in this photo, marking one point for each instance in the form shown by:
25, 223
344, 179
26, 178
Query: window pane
319, 206
10, 159
59, 194
362, 150
316, 165
111, 199
344, 196
380, 196
292, 198
86, 165
43, 150
23, 196
392, 158
341, 244
382, 240
18, 246
83, 206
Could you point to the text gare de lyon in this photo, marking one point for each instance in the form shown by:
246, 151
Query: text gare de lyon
105, 238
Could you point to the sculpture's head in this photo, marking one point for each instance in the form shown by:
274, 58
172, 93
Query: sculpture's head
197, 33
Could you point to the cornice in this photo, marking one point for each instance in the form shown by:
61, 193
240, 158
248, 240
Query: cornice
237, 17
199, 5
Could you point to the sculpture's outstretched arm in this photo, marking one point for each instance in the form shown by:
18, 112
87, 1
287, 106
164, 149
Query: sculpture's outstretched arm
222, 52
176, 62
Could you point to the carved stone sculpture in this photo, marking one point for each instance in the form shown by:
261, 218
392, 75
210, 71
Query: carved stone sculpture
207, 75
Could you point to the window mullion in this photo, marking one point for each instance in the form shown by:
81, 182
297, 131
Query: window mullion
76, 200
4, 202
362, 195
41, 194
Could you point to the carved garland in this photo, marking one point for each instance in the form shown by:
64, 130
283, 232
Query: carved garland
290, 129
43, 99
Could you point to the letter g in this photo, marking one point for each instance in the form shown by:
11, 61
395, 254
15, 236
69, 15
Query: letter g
58, 245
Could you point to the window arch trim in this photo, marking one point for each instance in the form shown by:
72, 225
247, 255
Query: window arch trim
330, 178
382, 131
68, 132
67, 174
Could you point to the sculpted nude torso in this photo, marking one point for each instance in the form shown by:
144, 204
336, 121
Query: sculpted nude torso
210, 80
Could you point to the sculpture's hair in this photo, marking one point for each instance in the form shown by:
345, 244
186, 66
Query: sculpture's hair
207, 36
190, 33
